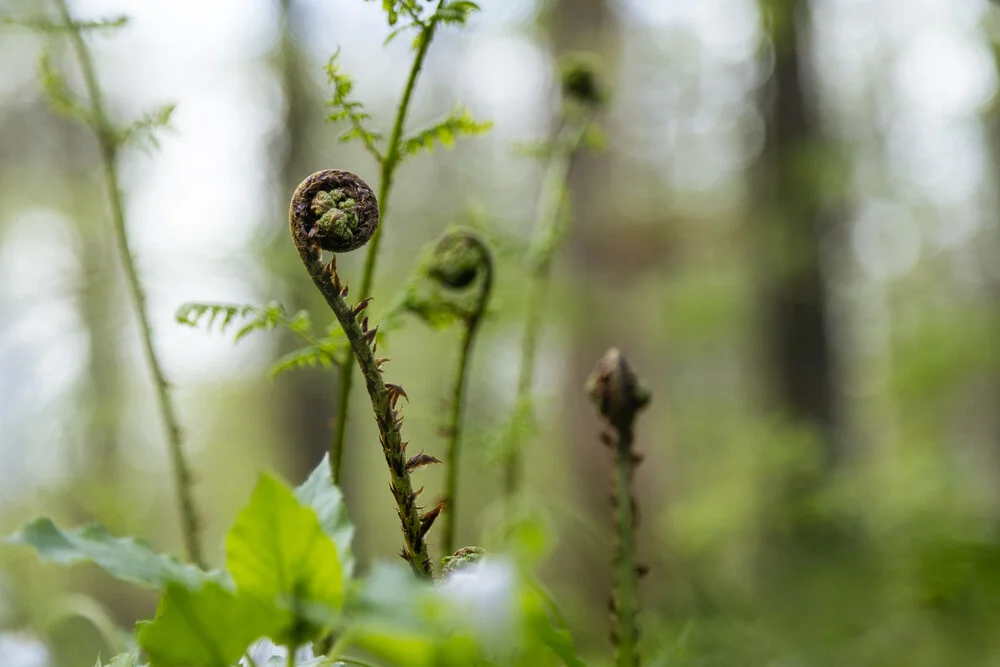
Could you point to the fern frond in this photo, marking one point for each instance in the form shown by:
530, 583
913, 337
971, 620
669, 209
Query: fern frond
328, 352
458, 123
142, 131
393, 8
456, 12
260, 318
45, 25
346, 108
58, 92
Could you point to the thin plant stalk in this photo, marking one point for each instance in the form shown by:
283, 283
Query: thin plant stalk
548, 236
619, 395
389, 163
460, 257
327, 208
455, 438
109, 152
625, 577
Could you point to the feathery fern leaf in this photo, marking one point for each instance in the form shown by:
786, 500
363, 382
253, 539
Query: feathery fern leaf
346, 108
456, 12
326, 354
260, 318
61, 97
142, 131
42, 24
458, 123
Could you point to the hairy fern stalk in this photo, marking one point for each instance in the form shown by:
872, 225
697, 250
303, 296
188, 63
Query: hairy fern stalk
336, 211
618, 395
453, 283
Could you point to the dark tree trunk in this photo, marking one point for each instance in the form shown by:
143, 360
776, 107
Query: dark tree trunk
792, 226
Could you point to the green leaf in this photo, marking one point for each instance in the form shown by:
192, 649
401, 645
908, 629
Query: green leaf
319, 493
211, 626
344, 107
278, 551
127, 558
259, 318
402, 621
58, 92
44, 25
456, 12
458, 123
545, 627
328, 352
142, 131
130, 659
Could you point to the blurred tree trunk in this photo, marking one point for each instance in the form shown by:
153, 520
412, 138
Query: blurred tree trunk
991, 120
806, 553
306, 395
792, 225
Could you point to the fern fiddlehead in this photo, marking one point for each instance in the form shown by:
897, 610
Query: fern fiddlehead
454, 282
336, 211
618, 395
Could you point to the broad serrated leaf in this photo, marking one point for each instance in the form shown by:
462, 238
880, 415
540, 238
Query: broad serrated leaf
320, 494
278, 551
458, 123
128, 559
210, 626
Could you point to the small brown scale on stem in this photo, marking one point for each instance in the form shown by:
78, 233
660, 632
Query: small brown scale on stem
336, 211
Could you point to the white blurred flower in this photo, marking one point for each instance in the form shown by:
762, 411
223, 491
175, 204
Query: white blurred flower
23, 650
484, 595
265, 652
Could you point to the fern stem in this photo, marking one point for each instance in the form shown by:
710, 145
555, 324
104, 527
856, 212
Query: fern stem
388, 171
625, 576
109, 151
618, 395
548, 235
455, 439
471, 321
309, 246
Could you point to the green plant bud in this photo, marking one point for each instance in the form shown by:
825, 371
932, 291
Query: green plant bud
455, 261
583, 79
616, 390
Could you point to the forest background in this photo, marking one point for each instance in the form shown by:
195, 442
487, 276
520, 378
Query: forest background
791, 231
